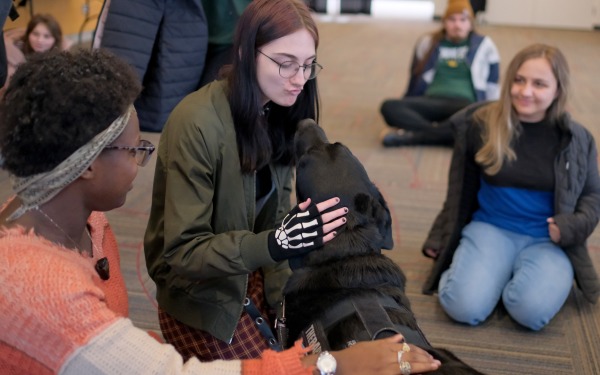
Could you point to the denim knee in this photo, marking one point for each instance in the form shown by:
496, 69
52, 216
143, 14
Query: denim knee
526, 312
463, 313
534, 303
481, 266
533, 311
464, 307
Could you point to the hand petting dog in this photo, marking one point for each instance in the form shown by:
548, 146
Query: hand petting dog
304, 229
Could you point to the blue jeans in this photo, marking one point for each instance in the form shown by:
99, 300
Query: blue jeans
533, 276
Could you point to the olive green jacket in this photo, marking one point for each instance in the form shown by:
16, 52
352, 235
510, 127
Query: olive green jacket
202, 238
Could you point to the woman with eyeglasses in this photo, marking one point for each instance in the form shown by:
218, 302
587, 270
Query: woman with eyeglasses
57, 147
222, 185
71, 144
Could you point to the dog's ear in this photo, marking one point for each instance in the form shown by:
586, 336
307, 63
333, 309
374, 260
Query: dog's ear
382, 215
379, 211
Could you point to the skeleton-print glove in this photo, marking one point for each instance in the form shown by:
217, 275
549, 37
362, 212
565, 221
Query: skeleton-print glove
300, 232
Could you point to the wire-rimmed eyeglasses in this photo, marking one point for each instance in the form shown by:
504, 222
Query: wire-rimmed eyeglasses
288, 69
142, 151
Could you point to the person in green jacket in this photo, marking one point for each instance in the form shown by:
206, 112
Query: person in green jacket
221, 19
223, 183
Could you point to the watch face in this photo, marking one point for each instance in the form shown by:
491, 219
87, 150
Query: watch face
326, 363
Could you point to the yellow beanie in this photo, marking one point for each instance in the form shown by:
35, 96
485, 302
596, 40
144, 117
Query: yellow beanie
458, 6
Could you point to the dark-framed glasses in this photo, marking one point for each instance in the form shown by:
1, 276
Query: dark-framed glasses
142, 151
288, 69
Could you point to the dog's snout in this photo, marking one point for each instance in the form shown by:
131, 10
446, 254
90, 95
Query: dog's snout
308, 134
306, 123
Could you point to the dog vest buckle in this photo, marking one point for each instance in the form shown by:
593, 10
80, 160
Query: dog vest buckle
280, 327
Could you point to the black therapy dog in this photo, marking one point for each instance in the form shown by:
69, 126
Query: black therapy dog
348, 291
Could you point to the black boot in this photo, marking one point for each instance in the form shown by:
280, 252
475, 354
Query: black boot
409, 138
396, 139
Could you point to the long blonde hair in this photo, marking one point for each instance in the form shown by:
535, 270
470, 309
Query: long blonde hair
500, 120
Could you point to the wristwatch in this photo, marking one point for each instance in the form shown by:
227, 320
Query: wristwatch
326, 363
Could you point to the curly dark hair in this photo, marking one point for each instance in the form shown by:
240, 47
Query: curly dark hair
57, 102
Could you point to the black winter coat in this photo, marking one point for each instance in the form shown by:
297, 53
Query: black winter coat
166, 42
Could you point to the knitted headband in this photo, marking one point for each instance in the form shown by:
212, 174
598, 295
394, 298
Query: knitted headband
40, 188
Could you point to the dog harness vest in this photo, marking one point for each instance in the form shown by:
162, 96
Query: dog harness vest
370, 309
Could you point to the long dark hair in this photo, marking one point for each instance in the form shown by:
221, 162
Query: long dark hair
52, 25
262, 138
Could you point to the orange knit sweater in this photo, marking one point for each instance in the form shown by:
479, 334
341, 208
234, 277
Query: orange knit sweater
38, 277
105, 245
273, 363
114, 288
15, 361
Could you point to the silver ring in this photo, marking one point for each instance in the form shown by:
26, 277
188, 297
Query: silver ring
400, 353
405, 368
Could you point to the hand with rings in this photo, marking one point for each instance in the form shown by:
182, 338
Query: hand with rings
385, 356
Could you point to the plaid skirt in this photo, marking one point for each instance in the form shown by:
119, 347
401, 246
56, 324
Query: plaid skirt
247, 340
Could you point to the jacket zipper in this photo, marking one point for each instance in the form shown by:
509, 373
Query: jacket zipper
251, 226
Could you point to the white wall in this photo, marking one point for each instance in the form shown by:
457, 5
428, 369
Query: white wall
440, 7
570, 14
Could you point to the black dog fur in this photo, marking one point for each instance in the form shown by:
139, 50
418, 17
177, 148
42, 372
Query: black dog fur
350, 266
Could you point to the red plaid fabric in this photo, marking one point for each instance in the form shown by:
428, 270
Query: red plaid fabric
247, 340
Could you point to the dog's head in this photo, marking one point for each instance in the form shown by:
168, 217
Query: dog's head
325, 170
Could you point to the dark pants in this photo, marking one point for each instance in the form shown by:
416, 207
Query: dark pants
425, 116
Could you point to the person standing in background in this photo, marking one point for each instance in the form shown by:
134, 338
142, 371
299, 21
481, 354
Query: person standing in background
174, 47
221, 17
165, 42
450, 69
